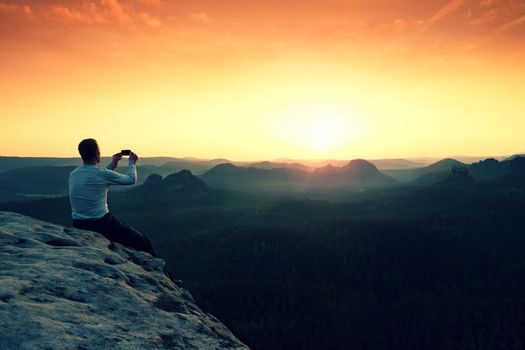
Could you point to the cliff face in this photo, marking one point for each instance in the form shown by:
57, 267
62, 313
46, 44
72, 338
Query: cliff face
63, 288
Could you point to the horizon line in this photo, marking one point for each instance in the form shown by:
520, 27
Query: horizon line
287, 159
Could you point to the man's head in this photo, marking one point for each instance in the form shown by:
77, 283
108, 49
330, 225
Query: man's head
89, 151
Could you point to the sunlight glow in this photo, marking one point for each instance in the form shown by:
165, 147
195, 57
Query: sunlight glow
254, 80
316, 127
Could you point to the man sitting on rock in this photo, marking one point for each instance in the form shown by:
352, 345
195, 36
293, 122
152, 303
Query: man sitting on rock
88, 191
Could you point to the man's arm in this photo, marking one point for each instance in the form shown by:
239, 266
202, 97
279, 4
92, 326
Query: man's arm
114, 178
114, 161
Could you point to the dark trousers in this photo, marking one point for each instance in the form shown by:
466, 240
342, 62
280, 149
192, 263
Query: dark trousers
117, 231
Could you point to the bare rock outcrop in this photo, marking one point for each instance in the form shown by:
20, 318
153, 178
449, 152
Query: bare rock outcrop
62, 288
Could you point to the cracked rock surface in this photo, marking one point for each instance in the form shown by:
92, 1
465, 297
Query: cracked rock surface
63, 288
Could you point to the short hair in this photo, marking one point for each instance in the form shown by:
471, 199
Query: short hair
88, 149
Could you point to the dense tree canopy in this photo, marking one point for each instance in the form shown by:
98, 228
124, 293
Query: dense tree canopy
441, 267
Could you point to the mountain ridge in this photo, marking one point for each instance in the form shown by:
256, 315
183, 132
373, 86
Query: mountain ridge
358, 174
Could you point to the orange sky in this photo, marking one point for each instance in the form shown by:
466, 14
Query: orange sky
263, 79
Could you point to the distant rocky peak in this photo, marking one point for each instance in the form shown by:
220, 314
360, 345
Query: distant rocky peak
182, 176
153, 179
327, 168
225, 166
459, 175
183, 179
517, 165
360, 164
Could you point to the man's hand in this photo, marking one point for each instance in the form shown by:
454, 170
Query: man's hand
133, 157
115, 159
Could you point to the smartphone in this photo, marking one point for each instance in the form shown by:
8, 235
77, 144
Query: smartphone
125, 152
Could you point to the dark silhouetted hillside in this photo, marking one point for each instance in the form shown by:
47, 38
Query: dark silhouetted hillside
47, 180
279, 165
487, 169
180, 184
357, 175
425, 175
404, 267
8, 163
249, 178
396, 163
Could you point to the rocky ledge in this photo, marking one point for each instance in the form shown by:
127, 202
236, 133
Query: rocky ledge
62, 288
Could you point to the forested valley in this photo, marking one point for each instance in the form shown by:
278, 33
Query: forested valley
435, 267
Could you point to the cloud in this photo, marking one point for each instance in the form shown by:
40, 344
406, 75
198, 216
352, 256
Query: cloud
464, 20
485, 19
450, 8
512, 24
201, 17
154, 3
95, 12
437, 26
149, 20
8, 8
500, 16
11, 9
403, 23
65, 14
486, 3
117, 11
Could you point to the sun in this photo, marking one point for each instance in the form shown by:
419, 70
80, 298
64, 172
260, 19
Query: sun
322, 133
317, 128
